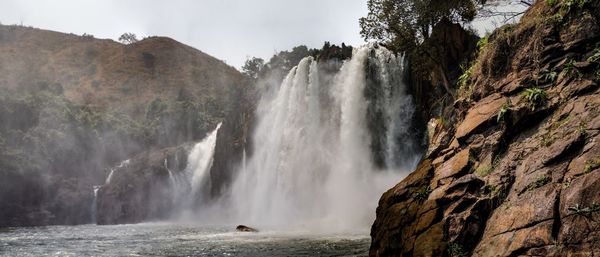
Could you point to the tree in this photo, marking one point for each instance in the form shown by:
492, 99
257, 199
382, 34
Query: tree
253, 66
403, 24
128, 38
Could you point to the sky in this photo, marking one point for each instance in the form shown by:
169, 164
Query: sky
230, 30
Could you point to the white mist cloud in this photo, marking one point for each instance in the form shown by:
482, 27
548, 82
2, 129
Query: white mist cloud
231, 30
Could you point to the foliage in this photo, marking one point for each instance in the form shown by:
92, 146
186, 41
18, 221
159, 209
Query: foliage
587, 210
483, 42
502, 112
402, 25
548, 76
595, 57
463, 80
253, 66
569, 66
484, 170
422, 193
551, 2
539, 182
591, 165
456, 250
568, 5
535, 97
128, 38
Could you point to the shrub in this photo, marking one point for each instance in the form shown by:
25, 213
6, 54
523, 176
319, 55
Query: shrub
539, 182
463, 80
581, 210
548, 76
595, 57
502, 112
483, 42
535, 97
456, 250
422, 193
484, 170
569, 66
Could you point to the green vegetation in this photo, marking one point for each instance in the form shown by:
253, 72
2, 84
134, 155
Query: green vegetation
483, 42
402, 25
566, 8
422, 193
569, 5
456, 250
595, 58
539, 182
463, 80
584, 210
484, 170
569, 66
548, 76
504, 109
535, 97
547, 139
591, 165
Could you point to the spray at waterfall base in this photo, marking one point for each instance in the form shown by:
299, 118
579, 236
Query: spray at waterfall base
325, 146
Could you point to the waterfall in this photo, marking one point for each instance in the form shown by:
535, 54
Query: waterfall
312, 165
191, 186
95, 188
95, 204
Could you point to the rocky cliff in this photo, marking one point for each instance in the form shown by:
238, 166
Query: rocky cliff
517, 174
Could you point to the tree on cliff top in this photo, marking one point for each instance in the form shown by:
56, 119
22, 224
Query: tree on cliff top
402, 24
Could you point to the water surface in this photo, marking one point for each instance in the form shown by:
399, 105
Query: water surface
161, 239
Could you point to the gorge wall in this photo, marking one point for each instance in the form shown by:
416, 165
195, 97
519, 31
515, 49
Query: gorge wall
517, 173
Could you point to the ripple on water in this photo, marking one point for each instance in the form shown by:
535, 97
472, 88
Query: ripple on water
162, 239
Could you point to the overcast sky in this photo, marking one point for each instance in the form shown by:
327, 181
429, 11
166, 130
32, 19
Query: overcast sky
230, 30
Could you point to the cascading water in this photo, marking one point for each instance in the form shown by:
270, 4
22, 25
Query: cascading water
94, 206
312, 164
190, 186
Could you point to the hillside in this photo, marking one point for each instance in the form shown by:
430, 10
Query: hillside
73, 106
517, 173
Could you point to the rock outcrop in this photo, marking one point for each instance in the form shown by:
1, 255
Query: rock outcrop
140, 188
518, 173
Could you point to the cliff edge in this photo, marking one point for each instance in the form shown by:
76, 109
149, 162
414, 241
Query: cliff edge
519, 173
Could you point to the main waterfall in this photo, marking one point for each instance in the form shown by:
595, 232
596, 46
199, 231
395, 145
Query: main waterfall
316, 145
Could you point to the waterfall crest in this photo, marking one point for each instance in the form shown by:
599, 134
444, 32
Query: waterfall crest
312, 165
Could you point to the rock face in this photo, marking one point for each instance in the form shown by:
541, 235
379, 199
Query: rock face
139, 190
514, 177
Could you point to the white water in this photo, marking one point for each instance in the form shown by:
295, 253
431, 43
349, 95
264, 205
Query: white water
95, 189
191, 185
311, 166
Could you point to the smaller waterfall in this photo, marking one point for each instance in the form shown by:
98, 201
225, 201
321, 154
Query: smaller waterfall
191, 186
95, 204
95, 189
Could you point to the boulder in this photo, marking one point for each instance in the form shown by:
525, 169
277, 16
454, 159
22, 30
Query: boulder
243, 228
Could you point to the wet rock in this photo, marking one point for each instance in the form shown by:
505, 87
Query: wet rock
243, 228
140, 190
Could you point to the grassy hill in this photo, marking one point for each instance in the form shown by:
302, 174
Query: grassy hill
73, 106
